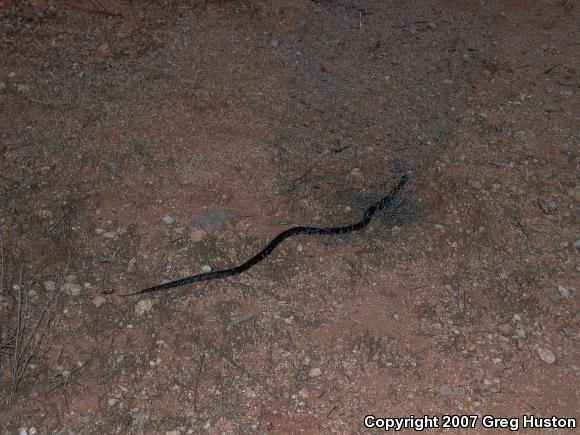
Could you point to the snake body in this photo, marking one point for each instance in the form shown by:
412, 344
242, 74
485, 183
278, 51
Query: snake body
384, 202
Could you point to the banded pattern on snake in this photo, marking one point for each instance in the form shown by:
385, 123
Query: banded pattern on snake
385, 202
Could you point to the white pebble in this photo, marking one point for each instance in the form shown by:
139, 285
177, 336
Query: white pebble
315, 372
98, 301
143, 307
546, 355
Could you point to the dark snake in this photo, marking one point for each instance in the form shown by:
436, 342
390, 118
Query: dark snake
385, 202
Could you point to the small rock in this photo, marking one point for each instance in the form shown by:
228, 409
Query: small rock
110, 234
357, 173
22, 431
104, 49
315, 372
274, 43
567, 331
143, 307
444, 390
554, 296
239, 319
205, 268
131, 264
168, 220
111, 166
3, 87
71, 289
432, 25
71, 279
197, 235
577, 244
98, 301
112, 402
547, 207
563, 291
546, 355
574, 192
49, 286
477, 184
213, 218
140, 420
22, 88
105, 258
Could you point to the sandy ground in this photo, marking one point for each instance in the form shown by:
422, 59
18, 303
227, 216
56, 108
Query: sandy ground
142, 141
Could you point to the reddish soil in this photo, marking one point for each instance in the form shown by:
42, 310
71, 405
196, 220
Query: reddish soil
238, 119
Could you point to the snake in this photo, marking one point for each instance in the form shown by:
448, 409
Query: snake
385, 202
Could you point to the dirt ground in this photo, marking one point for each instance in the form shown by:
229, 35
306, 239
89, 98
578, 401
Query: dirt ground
145, 141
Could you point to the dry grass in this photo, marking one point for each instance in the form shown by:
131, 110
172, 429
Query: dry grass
24, 330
